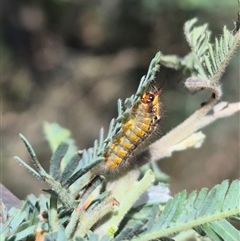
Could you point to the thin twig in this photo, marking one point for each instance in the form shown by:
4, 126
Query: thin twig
164, 146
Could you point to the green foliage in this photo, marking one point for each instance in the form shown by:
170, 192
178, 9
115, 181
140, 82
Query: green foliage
207, 61
203, 209
55, 135
80, 206
212, 58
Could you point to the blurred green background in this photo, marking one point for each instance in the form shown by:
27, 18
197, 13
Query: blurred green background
69, 61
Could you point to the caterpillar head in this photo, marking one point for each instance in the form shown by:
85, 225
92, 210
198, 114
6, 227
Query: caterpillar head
151, 100
151, 97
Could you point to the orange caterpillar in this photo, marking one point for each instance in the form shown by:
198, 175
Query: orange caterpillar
139, 126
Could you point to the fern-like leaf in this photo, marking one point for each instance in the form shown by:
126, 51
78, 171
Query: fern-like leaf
221, 230
207, 209
211, 59
207, 61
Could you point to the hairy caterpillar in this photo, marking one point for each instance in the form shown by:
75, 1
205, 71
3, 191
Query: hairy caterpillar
141, 123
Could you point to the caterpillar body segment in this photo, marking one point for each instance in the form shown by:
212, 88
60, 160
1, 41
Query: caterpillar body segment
141, 123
